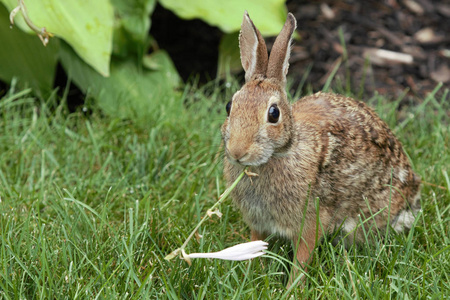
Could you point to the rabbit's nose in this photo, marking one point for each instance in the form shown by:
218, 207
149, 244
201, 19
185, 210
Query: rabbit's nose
237, 152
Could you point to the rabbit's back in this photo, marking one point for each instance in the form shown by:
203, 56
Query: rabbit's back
361, 168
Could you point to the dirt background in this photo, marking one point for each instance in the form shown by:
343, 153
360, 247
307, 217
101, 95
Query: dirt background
352, 34
415, 33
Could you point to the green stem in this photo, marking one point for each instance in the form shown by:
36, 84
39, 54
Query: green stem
42, 33
221, 199
205, 217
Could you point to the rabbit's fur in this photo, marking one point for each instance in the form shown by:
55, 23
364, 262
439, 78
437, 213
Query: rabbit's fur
325, 146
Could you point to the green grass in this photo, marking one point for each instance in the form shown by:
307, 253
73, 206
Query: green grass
90, 205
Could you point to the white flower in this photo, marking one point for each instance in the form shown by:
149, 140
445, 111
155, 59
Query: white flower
238, 252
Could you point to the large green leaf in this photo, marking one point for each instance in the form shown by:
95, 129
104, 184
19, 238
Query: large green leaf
130, 92
24, 57
86, 25
229, 61
268, 15
132, 26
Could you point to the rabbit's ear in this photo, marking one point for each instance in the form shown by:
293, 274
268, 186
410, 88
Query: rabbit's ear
281, 50
253, 49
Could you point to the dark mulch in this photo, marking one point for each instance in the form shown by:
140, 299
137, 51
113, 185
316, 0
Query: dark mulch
418, 31
348, 33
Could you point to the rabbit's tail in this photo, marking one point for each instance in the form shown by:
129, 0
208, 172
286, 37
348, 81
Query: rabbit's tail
404, 220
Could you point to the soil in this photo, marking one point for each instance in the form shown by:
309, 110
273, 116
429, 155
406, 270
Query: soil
353, 32
349, 33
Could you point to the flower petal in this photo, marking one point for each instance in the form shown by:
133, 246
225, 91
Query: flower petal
238, 252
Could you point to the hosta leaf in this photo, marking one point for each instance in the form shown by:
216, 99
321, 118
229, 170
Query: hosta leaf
85, 25
269, 15
229, 55
132, 26
23, 56
130, 92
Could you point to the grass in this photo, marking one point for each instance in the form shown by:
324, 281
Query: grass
90, 205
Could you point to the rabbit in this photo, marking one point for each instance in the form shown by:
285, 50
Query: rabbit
325, 158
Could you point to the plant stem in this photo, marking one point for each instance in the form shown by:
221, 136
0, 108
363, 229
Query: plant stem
42, 33
221, 199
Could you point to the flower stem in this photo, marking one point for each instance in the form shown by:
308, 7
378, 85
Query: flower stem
221, 199
42, 33
206, 216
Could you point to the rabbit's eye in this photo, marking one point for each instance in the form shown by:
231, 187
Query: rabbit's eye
274, 114
228, 108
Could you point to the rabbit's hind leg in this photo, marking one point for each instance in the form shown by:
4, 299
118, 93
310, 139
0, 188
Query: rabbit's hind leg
303, 249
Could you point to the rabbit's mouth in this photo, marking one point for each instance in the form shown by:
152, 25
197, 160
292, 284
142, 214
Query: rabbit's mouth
249, 158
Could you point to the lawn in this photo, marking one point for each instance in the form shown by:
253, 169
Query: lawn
90, 206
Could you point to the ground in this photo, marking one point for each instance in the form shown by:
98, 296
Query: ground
415, 30
332, 31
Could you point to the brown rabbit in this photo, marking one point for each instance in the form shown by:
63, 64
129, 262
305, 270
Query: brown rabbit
325, 146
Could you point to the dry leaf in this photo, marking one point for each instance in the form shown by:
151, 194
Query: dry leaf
442, 74
215, 212
383, 57
173, 254
427, 36
198, 236
250, 174
414, 7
